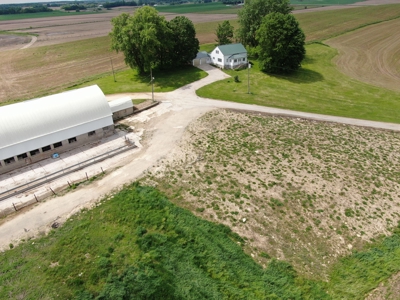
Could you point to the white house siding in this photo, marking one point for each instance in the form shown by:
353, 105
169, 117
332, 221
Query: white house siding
217, 58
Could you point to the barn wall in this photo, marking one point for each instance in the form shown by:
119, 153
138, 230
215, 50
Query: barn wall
67, 145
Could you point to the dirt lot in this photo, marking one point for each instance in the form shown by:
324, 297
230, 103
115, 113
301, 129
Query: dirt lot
371, 54
299, 190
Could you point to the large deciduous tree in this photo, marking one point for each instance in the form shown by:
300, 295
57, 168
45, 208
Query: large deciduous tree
149, 41
281, 44
224, 33
250, 17
185, 43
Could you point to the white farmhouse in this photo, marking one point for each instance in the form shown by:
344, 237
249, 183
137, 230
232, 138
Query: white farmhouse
230, 56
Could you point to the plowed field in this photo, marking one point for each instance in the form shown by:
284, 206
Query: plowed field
371, 54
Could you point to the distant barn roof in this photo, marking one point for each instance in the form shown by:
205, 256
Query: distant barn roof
232, 49
36, 123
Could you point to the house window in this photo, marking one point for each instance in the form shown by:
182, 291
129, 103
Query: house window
9, 160
34, 152
47, 148
22, 156
235, 60
219, 60
91, 133
72, 140
56, 145
217, 51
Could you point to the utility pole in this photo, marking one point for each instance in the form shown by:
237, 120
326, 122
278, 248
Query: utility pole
112, 67
248, 78
152, 84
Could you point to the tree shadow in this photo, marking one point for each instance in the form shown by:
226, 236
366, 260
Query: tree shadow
170, 78
300, 76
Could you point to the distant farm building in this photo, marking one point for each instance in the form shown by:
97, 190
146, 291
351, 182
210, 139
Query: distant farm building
121, 107
36, 129
202, 58
230, 56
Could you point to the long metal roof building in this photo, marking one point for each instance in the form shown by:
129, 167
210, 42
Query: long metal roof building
36, 123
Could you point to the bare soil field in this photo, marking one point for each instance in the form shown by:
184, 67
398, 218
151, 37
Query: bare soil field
371, 54
304, 191
53, 30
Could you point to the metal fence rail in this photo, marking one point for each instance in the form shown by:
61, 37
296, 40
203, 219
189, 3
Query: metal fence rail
55, 175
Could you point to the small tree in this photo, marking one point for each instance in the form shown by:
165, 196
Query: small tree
224, 33
281, 44
252, 14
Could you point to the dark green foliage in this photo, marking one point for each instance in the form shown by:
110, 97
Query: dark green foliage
149, 41
252, 14
356, 275
224, 33
281, 44
139, 245
186, 45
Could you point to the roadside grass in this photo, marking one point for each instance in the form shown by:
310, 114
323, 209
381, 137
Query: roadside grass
137, 244
54, 13
322, 25
131, 81
318, 87
17, 33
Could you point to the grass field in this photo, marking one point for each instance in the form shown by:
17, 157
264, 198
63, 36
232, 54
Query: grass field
317, 87
54, 13
129, 81
216, 7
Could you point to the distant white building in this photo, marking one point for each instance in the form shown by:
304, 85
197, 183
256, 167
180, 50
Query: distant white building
230, 56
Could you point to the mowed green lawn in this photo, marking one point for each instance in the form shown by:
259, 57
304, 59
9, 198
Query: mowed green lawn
54, 13
318, 87
128, 81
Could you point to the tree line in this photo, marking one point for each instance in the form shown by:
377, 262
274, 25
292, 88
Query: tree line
17, 9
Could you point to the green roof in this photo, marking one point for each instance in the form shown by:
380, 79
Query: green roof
232, 49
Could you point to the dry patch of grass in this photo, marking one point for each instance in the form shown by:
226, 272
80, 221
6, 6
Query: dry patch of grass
303, 191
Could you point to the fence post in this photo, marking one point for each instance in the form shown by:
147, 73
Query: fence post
86, 176
52, 191
36, 198
15, 207
102, 170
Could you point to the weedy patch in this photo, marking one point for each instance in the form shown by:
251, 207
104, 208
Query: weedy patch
310, 192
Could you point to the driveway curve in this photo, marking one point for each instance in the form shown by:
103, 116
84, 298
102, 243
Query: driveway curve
167, 123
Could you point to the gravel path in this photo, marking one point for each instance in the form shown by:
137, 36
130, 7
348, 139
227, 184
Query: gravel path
165, 125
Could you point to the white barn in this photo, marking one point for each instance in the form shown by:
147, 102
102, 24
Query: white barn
36, 129
230, 56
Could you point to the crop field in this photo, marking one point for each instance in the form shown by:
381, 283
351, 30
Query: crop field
326, 24
216, 7
371, 54
301, 191
55, 13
